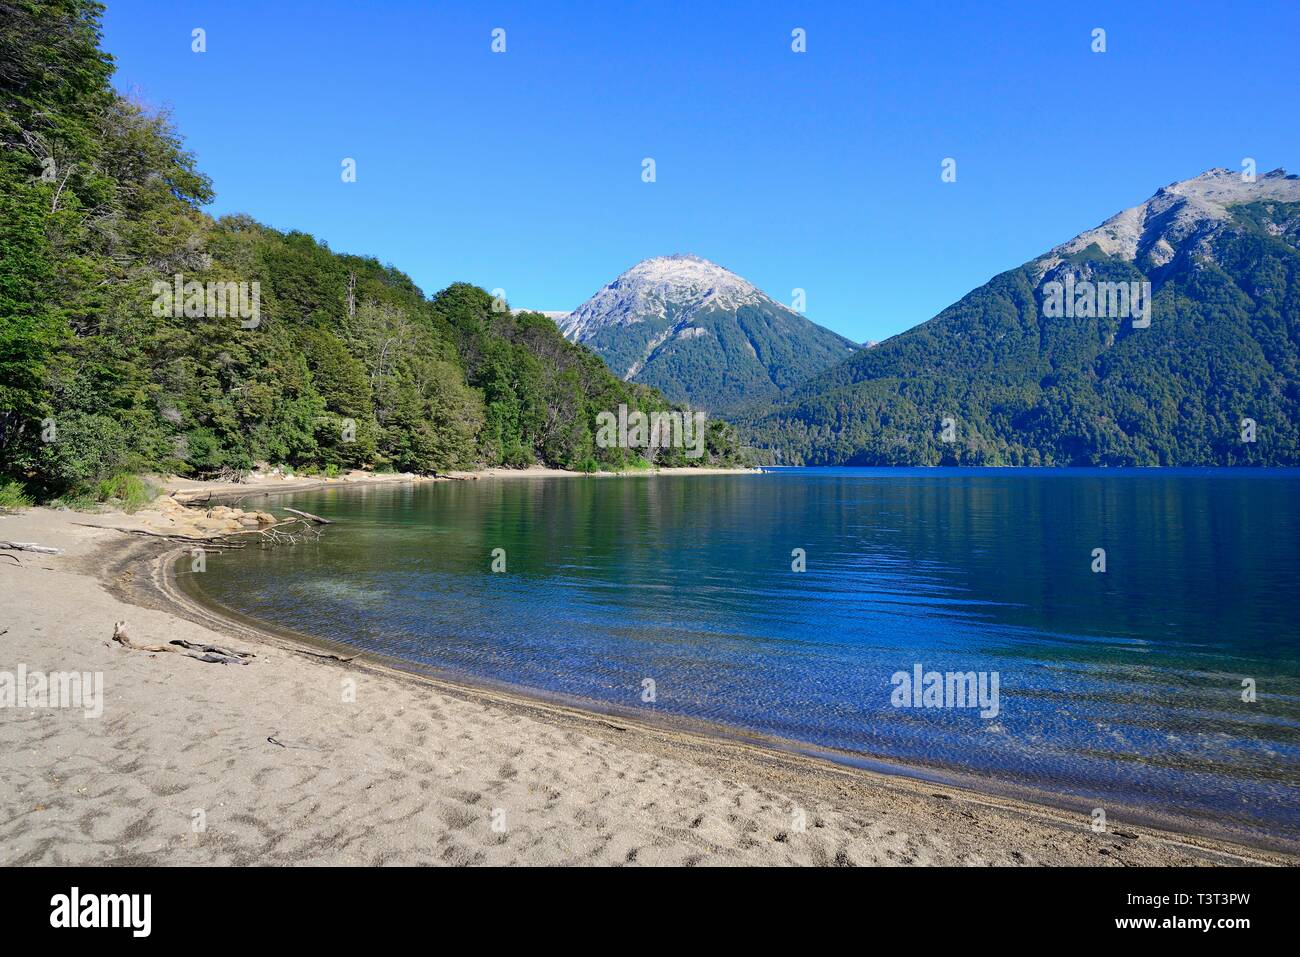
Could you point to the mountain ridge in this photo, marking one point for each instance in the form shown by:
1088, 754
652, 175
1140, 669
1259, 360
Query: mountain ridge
1221, 258
1178, 211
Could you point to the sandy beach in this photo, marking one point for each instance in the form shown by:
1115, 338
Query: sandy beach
190, 490
294, 758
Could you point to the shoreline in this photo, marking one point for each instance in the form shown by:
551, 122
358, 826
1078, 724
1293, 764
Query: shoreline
165, 587
189, 490
701, 797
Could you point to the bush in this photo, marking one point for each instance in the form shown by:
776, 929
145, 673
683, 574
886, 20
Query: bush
86, 448
130, 492
13, 495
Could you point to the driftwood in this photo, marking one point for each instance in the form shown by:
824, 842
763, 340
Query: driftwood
277, 534
308, 515
210, 653
165, 536
123, 639
325, 655
213, 658
212, 649
29, 547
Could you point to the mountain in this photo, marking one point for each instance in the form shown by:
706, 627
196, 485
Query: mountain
701, 334
553, 315
1007, 376
137, 333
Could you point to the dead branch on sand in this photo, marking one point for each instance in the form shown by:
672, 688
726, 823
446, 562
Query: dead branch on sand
213, 654
123, 639
165, 536
277, 534
211, 649
280, 744
326, 656
29, 547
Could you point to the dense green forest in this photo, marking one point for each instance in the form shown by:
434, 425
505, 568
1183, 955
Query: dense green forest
344, 363
1022, 388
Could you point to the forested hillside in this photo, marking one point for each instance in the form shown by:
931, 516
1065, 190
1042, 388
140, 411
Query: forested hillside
1213, 380
337, 361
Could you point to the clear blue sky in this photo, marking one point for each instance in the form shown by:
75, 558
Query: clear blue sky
818, 170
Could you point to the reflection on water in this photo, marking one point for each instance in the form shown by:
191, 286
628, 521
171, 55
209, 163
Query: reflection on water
1125, 685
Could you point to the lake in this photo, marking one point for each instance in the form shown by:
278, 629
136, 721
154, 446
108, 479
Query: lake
678, 595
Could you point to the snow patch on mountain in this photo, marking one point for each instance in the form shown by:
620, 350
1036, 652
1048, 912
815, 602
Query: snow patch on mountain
1192, 209
646, 291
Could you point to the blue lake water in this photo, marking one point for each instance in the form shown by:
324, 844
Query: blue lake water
1123, 686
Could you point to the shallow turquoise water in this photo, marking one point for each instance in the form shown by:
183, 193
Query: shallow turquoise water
1123, 686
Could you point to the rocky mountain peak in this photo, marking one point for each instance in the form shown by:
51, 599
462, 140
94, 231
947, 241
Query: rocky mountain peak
681, 283
1192, 209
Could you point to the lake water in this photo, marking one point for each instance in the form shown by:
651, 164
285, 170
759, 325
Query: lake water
1123, 686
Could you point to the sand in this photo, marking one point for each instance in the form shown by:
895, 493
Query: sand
274, 762
258, 485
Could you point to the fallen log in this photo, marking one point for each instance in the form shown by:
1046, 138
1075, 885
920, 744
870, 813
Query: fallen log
215, 659
123, 639
169, 536
326, 656
308, 515
29, 547
210, 653
272, 533
214, 649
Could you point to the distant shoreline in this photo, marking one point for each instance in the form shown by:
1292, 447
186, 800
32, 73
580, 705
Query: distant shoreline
190, 490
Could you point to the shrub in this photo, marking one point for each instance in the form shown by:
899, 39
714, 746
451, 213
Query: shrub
130, 492
13, 495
